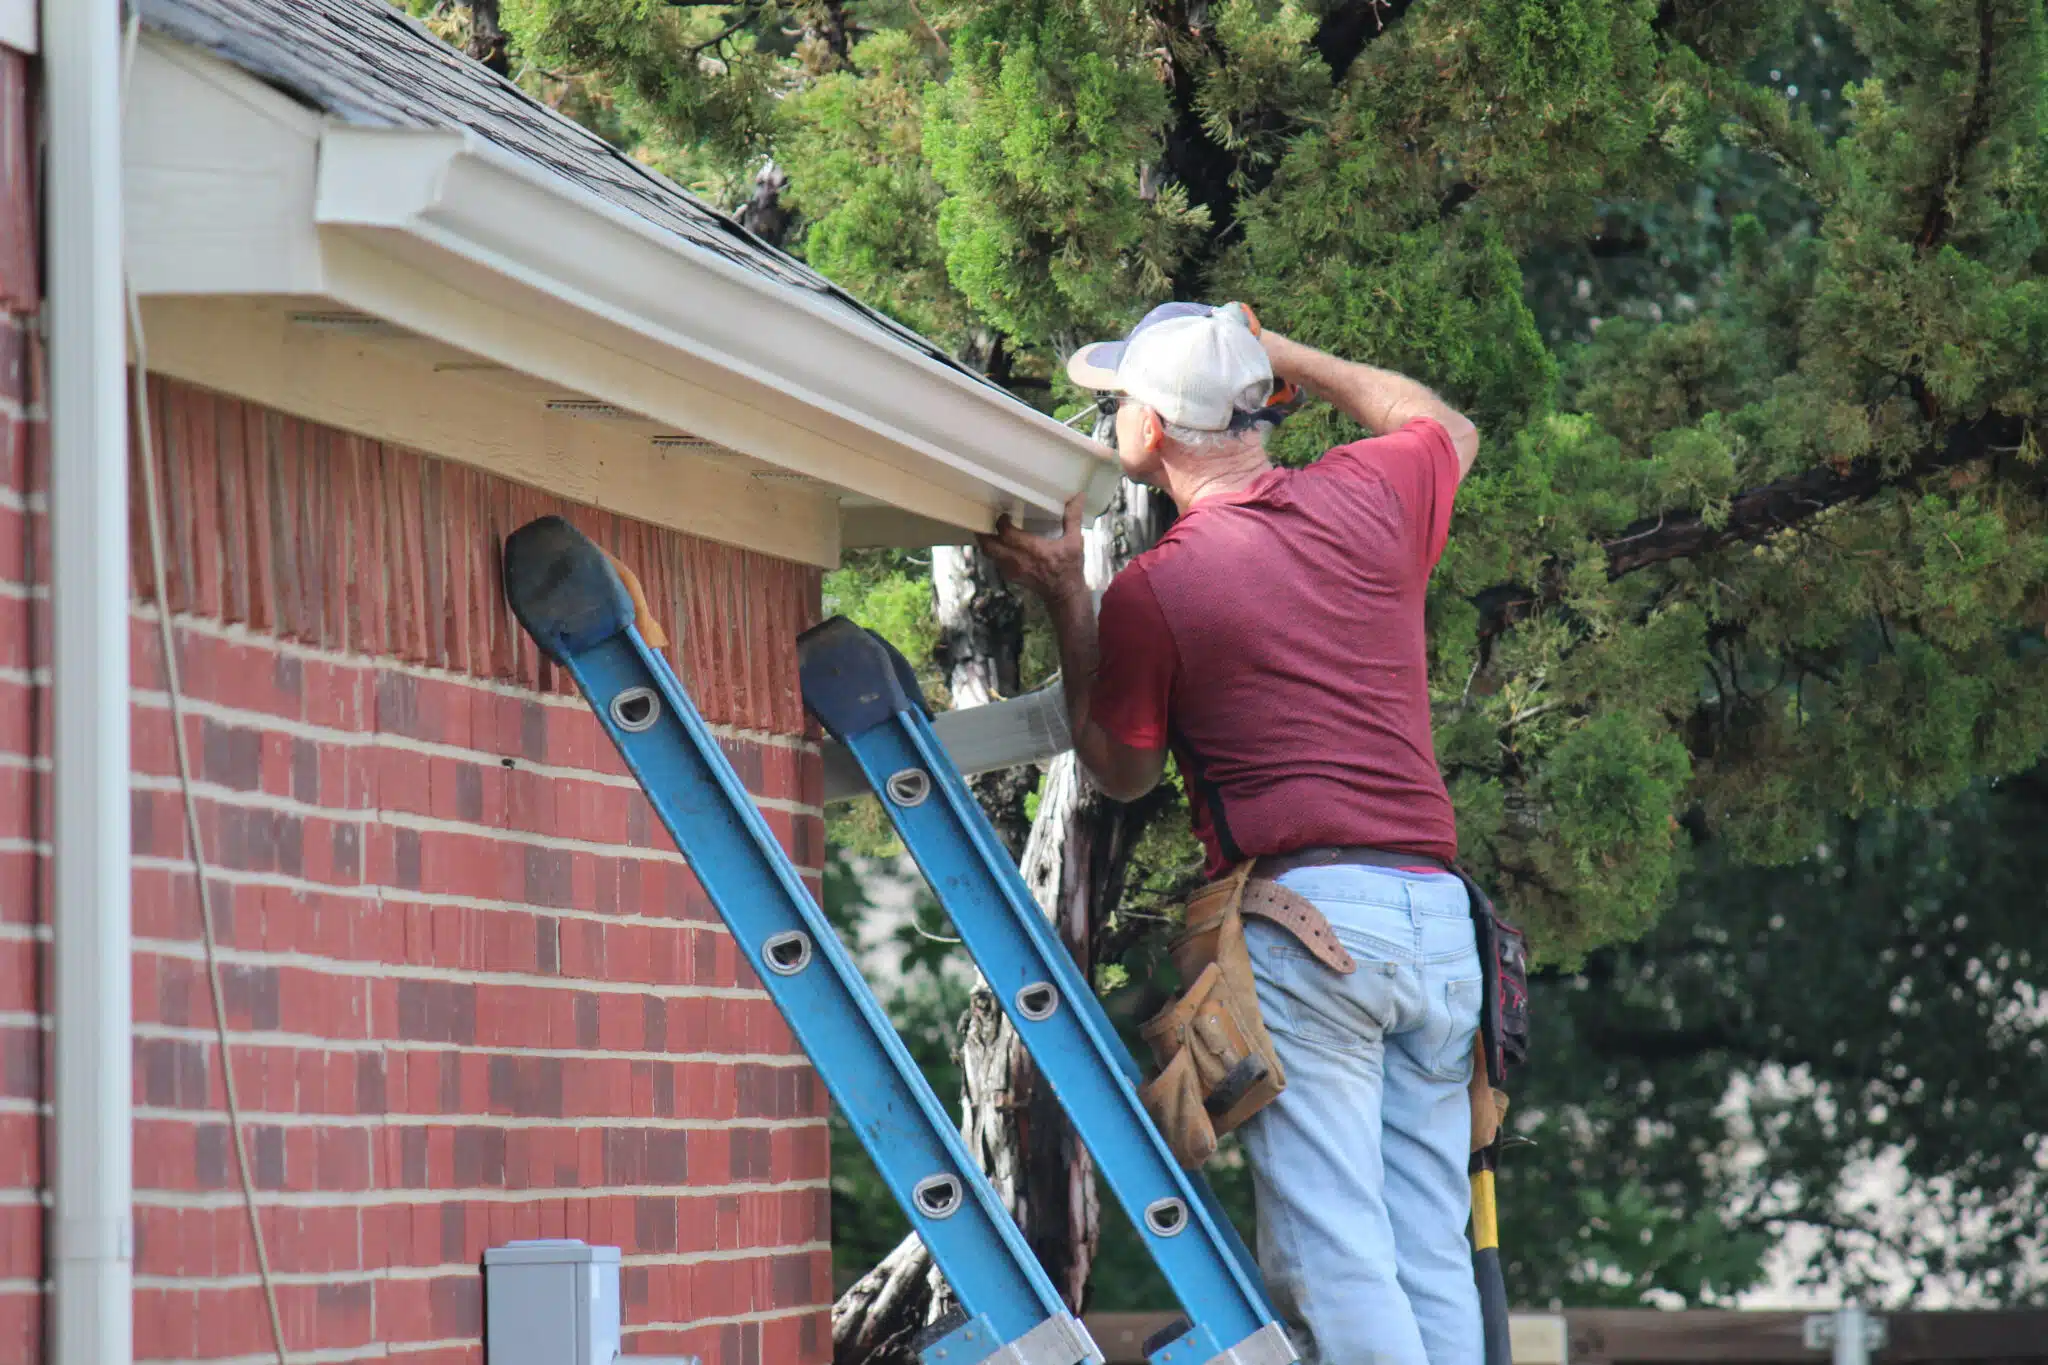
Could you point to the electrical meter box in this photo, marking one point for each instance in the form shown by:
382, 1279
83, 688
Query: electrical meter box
551, 1302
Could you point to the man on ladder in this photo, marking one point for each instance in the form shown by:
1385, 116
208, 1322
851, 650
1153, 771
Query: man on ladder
1273, 642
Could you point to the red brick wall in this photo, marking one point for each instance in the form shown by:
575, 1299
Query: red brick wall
22, 908
474, 993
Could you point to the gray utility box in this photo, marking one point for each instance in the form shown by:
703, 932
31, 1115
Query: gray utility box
555, 1302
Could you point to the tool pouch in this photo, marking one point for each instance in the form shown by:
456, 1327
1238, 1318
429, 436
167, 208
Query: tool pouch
1503, 1012
1217, 1062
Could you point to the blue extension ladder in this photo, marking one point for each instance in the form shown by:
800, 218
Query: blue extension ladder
568, 597
866, 695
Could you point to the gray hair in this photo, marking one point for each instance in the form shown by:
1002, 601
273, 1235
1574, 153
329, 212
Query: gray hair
1209, 442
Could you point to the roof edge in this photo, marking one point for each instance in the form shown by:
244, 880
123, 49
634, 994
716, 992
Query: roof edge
457, 195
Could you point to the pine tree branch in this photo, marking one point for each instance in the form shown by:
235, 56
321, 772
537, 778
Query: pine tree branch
1762, 511
1347, 29
1211, 173
1976, 125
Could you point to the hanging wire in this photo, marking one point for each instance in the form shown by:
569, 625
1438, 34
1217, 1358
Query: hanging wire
175, 692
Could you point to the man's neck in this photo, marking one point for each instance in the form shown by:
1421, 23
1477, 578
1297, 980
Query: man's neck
1214, 474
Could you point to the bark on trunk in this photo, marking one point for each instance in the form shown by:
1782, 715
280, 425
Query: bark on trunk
763, 213
1074, 858
875, 1320
487, 41
981, 645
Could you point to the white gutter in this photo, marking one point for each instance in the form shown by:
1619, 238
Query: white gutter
94, 1238
454, 202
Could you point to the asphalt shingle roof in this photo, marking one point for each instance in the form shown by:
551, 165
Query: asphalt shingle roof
363, 62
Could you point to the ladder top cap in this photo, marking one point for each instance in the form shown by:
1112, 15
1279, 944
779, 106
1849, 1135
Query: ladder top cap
853, 679
563, 589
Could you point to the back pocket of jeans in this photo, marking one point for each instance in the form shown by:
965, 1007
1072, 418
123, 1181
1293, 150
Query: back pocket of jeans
1459, 1023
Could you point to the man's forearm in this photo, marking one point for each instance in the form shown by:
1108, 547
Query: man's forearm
1121, 772
1073, 625
1378, 400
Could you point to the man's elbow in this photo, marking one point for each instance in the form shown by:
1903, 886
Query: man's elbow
1124, 787
1118, 771
1464, 440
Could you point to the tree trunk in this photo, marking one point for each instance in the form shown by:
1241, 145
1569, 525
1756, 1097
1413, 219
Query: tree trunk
487, 42
763, 214
875, 1320
981, 645
1074, 858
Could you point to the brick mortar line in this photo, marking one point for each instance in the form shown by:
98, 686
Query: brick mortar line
309, 1042
335, 1355
248, 799
402, 743
13, 932
446, 1271
394, 1118
399, 895
192, 950
451, 1270
257, 799
394, 1197
242, 634
11, 406
13, 499
255, 796
398, 1350
27, 592
398, 819
764, 1315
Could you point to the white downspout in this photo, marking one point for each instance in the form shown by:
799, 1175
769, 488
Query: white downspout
93, 1227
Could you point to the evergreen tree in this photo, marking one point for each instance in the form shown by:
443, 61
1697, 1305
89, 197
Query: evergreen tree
1775, 557
1745, 295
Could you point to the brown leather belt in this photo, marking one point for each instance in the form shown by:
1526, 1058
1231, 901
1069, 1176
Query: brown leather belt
1343, 855
1265, 898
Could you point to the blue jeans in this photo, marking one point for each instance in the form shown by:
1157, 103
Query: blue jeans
1360, 1166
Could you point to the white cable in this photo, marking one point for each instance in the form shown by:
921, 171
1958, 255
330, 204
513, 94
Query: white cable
191, 802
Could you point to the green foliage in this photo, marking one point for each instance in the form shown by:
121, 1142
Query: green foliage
1038, 137
1665, 254
1787, 1043
854, 149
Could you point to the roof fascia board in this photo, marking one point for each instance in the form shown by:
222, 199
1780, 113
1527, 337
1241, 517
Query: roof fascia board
550, 340
218, 174
394, 391
469, 200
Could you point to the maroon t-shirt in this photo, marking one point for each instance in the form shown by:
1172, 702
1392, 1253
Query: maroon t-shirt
1273, 638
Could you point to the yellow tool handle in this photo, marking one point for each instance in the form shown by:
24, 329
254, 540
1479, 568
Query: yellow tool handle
1485, 1217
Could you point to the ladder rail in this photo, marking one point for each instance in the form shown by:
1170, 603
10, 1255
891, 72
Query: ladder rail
1016, 1315
846, 680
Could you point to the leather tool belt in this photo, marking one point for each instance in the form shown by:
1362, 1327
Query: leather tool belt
1217, 1063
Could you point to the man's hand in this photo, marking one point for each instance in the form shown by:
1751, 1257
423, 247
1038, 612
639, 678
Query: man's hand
1049, 567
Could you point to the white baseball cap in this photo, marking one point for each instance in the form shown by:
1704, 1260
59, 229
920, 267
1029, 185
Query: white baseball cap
1194, 365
